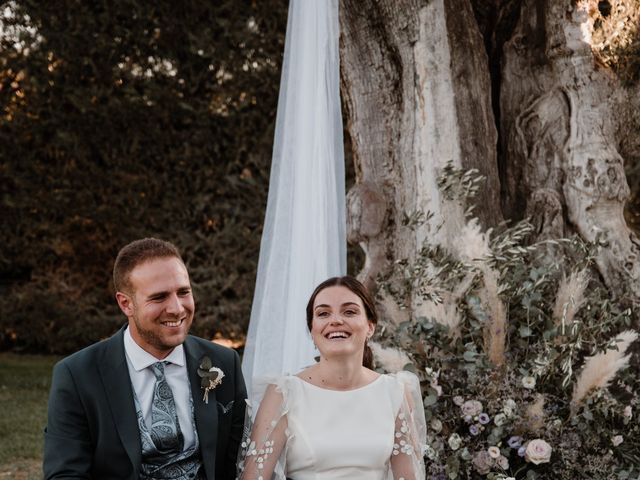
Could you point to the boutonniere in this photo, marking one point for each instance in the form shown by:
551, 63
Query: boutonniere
211, 377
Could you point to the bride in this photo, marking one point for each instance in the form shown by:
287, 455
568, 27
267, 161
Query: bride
338, 419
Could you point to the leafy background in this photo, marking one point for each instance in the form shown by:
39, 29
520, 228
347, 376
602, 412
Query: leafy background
517, 343
121, 120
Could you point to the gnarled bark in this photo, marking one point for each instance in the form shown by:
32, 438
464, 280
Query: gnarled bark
559, 135
417, 95
418, 86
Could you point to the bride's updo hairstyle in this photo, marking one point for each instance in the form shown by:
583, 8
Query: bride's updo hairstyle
367, 301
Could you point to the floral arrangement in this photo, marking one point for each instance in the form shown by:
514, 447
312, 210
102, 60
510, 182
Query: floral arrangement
523, 357
210, 377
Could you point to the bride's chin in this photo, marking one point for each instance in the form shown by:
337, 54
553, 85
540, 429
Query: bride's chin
340, 354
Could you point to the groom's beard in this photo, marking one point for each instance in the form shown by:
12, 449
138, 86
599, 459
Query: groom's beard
152, 336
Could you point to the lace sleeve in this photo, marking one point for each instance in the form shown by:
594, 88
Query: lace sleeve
263, 447
407, 458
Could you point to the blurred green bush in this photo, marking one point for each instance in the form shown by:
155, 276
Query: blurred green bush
121, 120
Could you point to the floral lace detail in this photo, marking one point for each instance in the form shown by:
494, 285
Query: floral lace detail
403, 442
263, 447
261, 454
409, 442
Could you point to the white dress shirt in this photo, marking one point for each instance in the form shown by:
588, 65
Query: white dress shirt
143, 381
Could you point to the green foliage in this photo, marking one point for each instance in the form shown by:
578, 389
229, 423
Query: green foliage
537, 353
459, 184
124, 120
528, 396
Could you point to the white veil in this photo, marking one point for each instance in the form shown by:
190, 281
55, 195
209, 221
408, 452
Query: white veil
304, 241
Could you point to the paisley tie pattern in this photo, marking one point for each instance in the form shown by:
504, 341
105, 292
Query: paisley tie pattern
165, 427
176, 466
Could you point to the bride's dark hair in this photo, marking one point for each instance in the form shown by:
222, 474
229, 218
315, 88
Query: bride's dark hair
367, 301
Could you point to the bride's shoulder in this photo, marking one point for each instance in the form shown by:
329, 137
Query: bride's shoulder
403, 379
269, 390
271, 382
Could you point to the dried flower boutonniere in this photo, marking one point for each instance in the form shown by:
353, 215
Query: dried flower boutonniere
211, 377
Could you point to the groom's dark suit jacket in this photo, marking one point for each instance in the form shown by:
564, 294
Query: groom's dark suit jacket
92, 428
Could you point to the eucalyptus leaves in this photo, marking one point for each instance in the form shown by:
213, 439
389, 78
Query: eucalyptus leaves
211, 377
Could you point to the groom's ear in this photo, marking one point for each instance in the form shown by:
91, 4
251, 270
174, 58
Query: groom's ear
125, 303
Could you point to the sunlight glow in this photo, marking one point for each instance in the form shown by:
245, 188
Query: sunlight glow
20, 32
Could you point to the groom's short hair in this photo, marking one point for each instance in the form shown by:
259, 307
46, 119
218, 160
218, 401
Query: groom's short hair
136, 253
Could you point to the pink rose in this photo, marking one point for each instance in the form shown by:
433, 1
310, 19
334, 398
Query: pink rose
494, 452
538, 451
482, 462
471, 408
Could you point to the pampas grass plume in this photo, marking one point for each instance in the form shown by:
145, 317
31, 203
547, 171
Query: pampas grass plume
495, 331
445, 313
535, 415
472, 244
391, 359
600, 369
570, 298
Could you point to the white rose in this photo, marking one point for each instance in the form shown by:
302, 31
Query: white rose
529, 382
494, 452
500, 419
471, 408
454, 441
627, 411
436, 425
538, 451
617, 440
509, 407
430, 453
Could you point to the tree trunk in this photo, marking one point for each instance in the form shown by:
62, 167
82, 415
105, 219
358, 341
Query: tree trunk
420, 91
560, 139
418, 96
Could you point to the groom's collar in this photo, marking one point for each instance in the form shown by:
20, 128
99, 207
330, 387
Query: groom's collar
141, 359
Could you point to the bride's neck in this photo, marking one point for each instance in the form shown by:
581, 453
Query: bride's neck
339, 374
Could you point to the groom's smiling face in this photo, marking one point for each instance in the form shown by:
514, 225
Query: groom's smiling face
159, 305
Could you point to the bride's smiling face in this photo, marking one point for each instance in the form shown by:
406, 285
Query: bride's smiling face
340, 325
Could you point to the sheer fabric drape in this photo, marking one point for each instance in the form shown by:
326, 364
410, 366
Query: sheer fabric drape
303, 241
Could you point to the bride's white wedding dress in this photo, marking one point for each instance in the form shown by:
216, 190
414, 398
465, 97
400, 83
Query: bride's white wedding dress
305, 432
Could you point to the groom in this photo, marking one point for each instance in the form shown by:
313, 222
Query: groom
132, 406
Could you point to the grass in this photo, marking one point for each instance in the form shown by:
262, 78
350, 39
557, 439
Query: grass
24, 387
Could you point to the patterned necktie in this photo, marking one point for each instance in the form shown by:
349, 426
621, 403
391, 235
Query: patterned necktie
165, 427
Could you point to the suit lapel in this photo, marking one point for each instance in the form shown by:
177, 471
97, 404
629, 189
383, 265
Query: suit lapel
206, 414
119, 393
